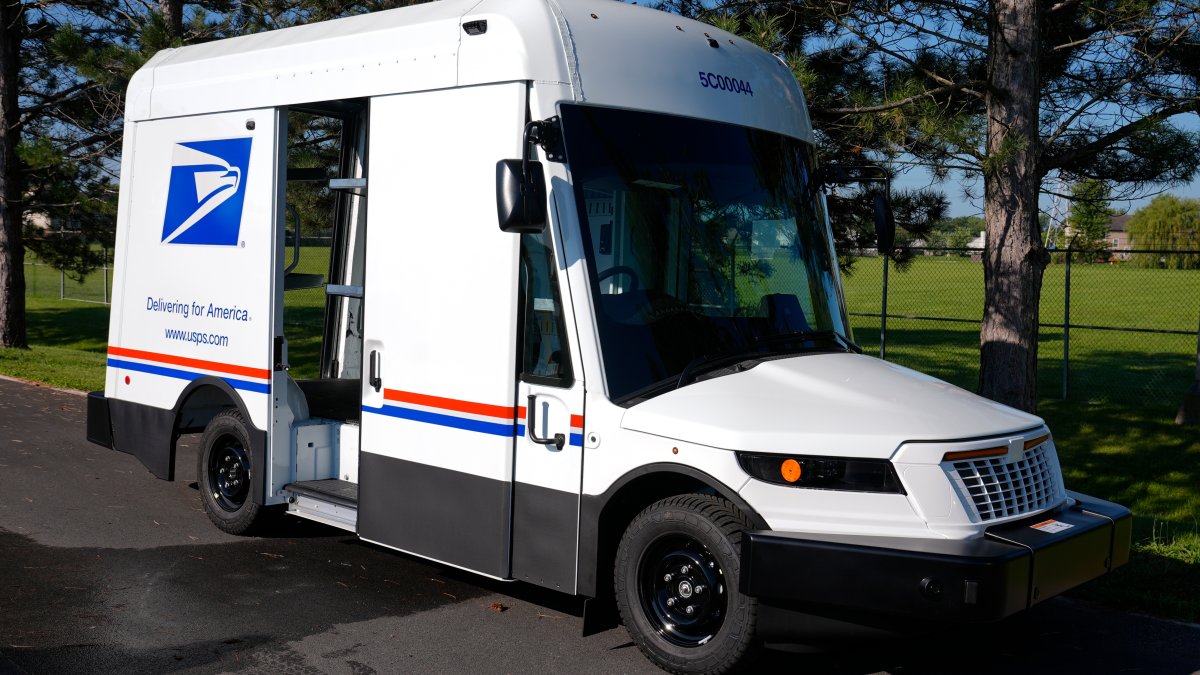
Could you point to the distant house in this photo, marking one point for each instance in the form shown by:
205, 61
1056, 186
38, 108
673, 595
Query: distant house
38, 221
977, 244
1118, 238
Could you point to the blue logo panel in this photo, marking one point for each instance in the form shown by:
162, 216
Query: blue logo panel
207, 191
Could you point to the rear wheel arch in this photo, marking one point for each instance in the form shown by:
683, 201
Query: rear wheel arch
205, 398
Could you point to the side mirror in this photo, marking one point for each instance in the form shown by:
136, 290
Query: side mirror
885, 223
520, 196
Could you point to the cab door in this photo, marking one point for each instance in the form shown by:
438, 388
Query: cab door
549, 449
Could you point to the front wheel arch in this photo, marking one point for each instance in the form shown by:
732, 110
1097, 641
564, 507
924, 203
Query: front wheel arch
677, 582
604, 517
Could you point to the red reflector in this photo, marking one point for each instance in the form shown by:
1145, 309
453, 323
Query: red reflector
975, 454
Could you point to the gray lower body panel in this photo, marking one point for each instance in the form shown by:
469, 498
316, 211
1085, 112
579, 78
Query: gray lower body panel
544, 538
446, 515
466, 520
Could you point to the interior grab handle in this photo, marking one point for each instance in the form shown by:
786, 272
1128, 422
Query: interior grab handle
295, 214
375, 380
558, 441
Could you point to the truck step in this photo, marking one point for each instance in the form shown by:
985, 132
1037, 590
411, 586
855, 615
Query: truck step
329, 501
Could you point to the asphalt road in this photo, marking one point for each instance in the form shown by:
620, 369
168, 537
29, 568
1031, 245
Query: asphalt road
104, 569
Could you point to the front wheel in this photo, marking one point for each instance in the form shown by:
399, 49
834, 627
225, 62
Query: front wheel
677, 585
225, 474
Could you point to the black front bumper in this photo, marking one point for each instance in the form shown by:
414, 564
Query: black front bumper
1012, 568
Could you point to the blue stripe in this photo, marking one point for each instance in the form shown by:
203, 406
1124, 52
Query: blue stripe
492, 428
259, 387
576, 440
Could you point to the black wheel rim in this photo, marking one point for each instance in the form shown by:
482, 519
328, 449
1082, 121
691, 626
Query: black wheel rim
229, 474
682, 590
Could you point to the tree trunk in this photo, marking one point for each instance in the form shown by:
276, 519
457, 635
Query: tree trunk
1014, 258
12, 251
172, 11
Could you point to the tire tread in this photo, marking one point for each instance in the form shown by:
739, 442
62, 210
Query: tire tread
251, 517
709, 512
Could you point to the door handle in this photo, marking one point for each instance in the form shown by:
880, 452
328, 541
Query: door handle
558, 441
374, 379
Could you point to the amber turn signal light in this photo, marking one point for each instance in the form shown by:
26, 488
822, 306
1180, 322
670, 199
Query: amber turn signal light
790, 470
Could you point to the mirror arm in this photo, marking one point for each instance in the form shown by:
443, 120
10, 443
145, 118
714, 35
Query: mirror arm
532, 135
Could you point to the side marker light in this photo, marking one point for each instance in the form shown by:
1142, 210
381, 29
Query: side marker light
790, 470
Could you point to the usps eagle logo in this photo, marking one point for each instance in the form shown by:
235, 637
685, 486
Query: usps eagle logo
207, 191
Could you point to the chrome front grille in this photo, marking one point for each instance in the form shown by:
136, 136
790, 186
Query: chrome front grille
999, 490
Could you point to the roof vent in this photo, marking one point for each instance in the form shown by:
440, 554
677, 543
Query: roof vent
475, 27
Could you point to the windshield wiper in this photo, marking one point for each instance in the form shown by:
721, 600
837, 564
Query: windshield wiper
809, 336
763, 346
709, 360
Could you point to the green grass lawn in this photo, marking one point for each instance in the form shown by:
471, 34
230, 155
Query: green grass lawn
1104, 365
1115, 435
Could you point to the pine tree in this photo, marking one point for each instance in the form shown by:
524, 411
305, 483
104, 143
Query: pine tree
1007, 91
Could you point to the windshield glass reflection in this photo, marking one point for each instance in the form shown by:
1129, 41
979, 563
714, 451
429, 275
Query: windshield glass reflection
704, 240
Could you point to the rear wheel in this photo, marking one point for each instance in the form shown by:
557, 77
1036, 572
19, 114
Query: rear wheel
225, 475
676, 582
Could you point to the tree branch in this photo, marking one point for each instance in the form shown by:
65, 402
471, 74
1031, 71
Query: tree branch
61, 97
930, 93
1059, 6
941, 36
1051, 162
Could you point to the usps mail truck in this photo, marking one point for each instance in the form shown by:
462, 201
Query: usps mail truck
581, 326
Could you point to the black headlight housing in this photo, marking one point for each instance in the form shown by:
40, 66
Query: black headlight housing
823, 473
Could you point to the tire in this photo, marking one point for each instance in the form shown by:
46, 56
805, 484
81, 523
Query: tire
225, 475
682, 552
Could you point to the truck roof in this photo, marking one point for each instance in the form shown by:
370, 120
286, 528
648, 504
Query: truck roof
607, 52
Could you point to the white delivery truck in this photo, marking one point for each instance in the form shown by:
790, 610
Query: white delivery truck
640, 386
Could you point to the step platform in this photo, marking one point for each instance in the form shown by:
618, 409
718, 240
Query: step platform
330, 501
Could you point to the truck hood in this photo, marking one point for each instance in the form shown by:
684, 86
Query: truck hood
845, 405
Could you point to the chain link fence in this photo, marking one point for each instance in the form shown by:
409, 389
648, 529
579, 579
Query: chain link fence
1117, 328
1124, 329
43, 280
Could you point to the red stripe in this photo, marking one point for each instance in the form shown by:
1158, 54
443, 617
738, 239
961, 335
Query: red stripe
261, 373
465, 406
449, 404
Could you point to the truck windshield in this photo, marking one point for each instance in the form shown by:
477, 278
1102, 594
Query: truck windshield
707, 245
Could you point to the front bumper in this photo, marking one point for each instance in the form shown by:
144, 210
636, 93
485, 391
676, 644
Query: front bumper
1013, 567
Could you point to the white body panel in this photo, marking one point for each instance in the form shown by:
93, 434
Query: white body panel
432, 243
195, 283
422, 47
824, 404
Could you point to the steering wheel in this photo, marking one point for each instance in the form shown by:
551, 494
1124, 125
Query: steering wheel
634, 282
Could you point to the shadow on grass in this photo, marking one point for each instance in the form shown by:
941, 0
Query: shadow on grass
1120, 367
1156, 583
68, 324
